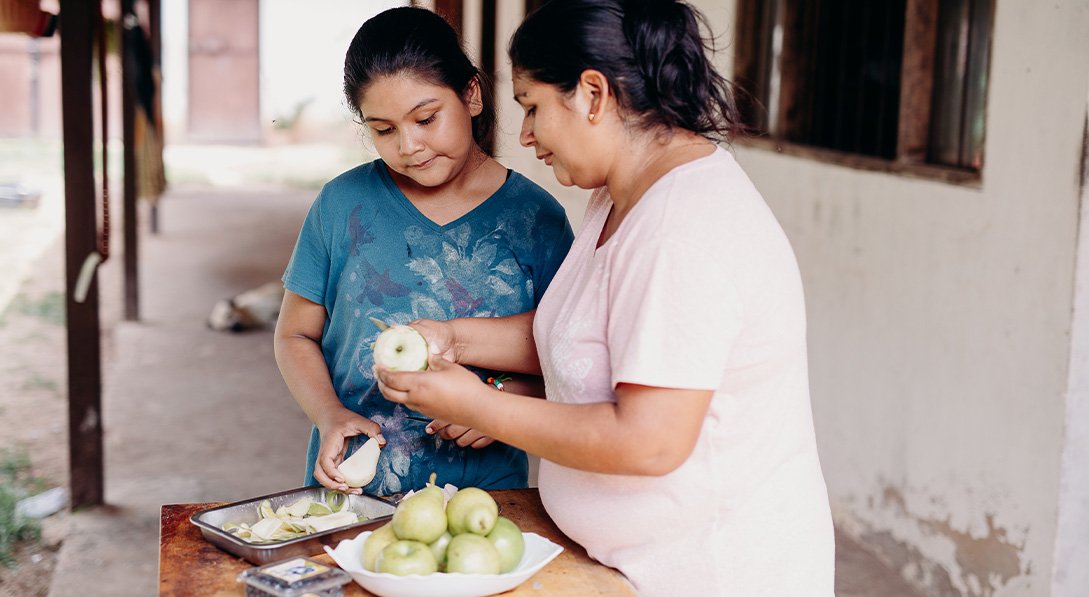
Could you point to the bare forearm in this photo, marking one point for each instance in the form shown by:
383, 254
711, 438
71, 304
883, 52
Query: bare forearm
644, 430
591, 437
304, 370
501, 343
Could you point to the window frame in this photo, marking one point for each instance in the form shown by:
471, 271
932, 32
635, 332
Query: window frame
752, 68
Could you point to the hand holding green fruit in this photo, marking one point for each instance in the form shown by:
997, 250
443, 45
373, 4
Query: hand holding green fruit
360, 468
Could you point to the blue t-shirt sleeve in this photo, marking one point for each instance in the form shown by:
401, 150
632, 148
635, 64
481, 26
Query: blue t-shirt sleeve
308, 270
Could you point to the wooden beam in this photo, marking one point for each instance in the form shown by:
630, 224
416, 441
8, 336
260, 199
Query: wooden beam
488, 62
155, 37
453, 12
81, 239
128, 135
155, 31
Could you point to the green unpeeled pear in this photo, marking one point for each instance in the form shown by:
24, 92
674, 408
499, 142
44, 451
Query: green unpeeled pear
403, 558
375, 543
421, 516
509, 543
471, 510
438, 547
471, 554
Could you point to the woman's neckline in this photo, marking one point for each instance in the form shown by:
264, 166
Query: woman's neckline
611, 226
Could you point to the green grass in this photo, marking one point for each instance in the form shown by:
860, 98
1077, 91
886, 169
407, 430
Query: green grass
50, 307
37, 382
16, 482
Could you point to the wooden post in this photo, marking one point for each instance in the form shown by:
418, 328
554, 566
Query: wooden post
81, 239
452, 11
487, 48
917, 81
128, 135
155, 35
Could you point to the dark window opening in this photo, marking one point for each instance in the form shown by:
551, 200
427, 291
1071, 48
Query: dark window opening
901, 81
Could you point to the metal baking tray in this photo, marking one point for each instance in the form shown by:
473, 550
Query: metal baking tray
377, 510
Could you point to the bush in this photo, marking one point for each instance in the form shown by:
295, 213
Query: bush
16, 483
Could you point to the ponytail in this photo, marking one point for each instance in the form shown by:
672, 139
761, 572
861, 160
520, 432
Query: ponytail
653, 53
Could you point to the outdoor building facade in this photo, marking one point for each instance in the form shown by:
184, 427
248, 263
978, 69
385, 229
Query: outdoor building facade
945, 260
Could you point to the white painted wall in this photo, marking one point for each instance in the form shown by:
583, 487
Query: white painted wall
1071, 548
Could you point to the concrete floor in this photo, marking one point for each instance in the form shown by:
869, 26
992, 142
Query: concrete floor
193, 415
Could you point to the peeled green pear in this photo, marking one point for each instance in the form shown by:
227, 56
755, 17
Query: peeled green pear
509, 542
471, 554
401, 348
471, 510
359, 468
421, 516
375, 543
438, 547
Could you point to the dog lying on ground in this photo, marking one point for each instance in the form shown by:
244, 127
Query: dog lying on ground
255, 308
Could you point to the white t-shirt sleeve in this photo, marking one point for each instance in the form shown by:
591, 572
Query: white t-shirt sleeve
671, 324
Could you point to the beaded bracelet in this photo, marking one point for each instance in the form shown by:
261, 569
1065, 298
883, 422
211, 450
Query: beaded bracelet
498, 383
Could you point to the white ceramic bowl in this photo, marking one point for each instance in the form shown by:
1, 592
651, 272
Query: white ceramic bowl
539, 551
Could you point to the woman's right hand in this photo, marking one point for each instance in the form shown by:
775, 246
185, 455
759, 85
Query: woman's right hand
336, 429
441, 337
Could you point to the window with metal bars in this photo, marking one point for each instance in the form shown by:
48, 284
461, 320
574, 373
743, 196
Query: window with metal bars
885, 84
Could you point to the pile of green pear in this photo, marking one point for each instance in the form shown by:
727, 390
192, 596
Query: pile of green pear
429, 535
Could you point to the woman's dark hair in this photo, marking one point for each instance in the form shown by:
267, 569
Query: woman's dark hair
653, 53
419, 43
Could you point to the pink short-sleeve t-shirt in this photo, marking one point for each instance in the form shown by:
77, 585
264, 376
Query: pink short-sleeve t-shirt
698, 289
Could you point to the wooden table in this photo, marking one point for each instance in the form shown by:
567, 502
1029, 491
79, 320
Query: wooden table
189, 565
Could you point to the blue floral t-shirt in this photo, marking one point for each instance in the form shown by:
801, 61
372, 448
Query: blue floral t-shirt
365, 251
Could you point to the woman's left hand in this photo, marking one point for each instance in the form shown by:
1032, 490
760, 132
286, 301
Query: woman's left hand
445, 391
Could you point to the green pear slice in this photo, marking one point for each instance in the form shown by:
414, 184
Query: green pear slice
359, 468
401, 348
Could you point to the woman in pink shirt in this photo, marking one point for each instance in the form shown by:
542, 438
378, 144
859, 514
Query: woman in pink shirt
677, 439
